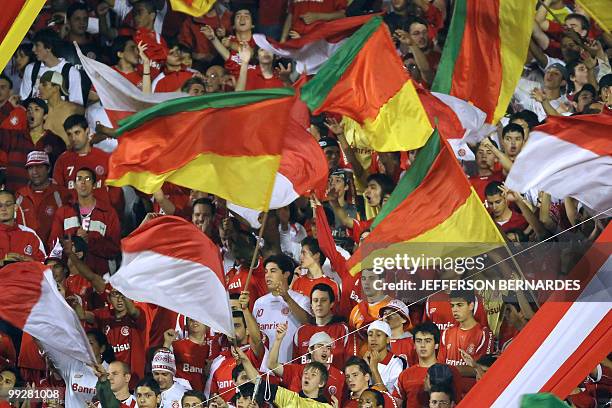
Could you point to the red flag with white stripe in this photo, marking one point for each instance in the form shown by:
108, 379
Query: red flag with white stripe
320, 40
32, 303
561, 344
568, 157
169, 262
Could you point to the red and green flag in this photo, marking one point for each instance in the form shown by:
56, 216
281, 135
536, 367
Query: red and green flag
227, 144
365, 81
432, 204
15, 20
485, 51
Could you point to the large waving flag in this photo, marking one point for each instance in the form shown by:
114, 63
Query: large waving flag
32, 303
568, 157
365, 81
15, 20
490, 37
600, 11
169, 262
432, 204
229, 145
561, 344
319, 42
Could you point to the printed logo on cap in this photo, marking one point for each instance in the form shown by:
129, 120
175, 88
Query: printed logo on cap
28, 250
99, 170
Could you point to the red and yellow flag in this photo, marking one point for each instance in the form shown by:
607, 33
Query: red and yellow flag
196, 8
15, 20
485, 52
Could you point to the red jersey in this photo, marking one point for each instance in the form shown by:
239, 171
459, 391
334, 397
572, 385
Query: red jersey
171, 81
191, 36
438, 311
179, 196
232, 64
126, 335
303, 284
405, 348
359, 227
480, 183
37, 208
220, 379
236, 278
292, 380
476, 341
134, 77
190, 361
516, 221
16, 118
297, 8
410, 386
20, 240
335, 330
157, 49
256, 80
78, 285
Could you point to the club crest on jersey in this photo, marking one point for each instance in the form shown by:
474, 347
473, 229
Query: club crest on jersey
461, 152
332, 390
28, 249
49, 210
433, 309
175, 404
285, 310
125, 330
470, 349
99, 170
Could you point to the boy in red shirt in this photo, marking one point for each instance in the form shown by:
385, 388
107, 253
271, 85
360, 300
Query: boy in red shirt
191, 354
503, 215
486, 173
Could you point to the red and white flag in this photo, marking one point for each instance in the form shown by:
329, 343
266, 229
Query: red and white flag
32, 303
561, 344
568, 157
320, 40
169, 262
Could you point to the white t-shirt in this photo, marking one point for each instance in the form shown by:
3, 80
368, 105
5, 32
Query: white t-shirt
123, 8
79, 378
171, 398
391, 371
270, 311
522, 96
75, 93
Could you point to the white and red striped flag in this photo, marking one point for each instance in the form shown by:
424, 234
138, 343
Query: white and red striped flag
561, 344
169, 262
568, 157
32, 303
320, 40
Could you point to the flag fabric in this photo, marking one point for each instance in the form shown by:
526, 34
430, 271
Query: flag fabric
561, 344
365, 81
196, 8
227, 144
169, 262
568, 157
15, 20
433, 203
543, 400
600, 11
32, 303
118, 96
316, 45
491, 36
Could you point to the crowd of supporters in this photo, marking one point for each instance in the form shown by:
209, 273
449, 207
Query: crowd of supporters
314, 333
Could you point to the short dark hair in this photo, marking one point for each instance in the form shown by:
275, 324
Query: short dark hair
448, 390
150, 382
492, 188
528, 116
284, 262
74, 7
380, 398
75, 120
416, 20
205, 201
26, 48
240, 315
148, 5
7, 79
118, 46
49, 39
90, 171
236, 372
427, 327
320, 367
466, 295
314, 247
584, 22
359, 362
323, 287
385, 182
195, 394
192, 81
247, 390
38, 102
513, 127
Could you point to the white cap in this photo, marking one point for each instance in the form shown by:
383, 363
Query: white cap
164, 361
380, 325
320, 338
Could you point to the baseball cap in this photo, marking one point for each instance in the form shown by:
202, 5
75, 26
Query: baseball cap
37, 101
164, 361
396, 305
55, 78
559, 67
380, 325
328, 142
37, 157
320, 338
341, 173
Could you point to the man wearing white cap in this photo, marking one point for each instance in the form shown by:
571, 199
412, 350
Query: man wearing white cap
386, 367
163, 367
320, 350
397, 315
39, 200
51, 90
